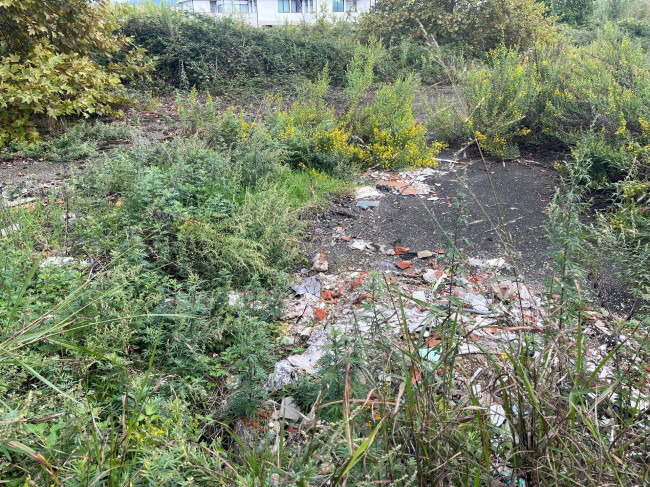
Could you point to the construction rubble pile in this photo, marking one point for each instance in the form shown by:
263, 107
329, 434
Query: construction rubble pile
494, 312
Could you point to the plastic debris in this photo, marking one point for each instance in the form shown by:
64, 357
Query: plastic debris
367, 204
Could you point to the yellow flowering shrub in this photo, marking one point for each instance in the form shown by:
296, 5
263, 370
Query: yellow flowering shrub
406, 148
337, 141
394, 137
500, 102
233, 127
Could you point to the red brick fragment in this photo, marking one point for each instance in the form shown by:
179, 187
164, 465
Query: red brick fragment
400, 250
320, 313
402, 264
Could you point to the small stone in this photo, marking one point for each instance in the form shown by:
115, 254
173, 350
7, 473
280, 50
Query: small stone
425, 254
320, 264
386, 251
430, 276
289, 410
287, 340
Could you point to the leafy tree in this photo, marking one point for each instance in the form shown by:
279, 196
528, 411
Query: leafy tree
574, 12
477, 25
58, 58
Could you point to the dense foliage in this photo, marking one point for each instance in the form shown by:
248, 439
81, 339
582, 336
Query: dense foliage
471, 25
60, 58
141, 298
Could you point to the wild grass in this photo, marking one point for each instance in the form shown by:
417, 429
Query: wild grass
141, 301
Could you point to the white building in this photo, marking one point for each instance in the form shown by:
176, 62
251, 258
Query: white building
279, 12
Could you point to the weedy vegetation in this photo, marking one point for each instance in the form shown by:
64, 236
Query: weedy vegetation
141, 296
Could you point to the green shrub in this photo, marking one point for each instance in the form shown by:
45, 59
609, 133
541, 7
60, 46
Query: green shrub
227, 54
60, 59
474, 26
393, 136
557, 92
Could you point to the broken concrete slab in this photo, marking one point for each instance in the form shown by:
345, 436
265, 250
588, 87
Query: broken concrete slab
311, 285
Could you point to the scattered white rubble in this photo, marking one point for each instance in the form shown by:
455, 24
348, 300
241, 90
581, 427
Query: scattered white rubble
55, 262
358, 244
367, 193
288, 410
475, 302
9, 230
430, 276
498, 263
310, 285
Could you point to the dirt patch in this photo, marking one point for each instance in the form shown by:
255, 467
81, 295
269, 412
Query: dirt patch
35, 172
510, 196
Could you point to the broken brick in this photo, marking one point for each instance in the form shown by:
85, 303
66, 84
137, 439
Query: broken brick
400, 250
402, 264
320, 313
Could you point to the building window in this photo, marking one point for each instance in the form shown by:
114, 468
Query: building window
338, 6
296, 6
230, 6
287, 6
213, 6
351, 6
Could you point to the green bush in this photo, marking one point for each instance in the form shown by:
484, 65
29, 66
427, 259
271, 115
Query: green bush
227, 54
471, 25
555, 93
60, 59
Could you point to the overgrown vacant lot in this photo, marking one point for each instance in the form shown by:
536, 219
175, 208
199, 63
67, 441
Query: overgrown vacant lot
409, 251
